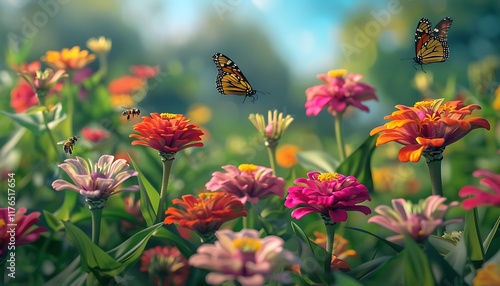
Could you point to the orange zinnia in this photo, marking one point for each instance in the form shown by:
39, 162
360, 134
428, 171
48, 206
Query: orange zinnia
167, 133
126, 85
206, 213
428, 126
339, 250
286, 156
69, 59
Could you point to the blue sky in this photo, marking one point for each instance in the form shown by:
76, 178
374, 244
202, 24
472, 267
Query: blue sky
300, 29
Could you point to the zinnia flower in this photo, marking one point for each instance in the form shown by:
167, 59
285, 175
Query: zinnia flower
496, 101
18, 228
429, 126
247, 182
133, 208
489, 275
167, 133
205, 213
29, 68
99, 46
23, 97
419, 221
145, 71
165, 266
338, 92
479, 196
286, 155
330, 194
275, 127
96, 181
339, 250
244, 257
126, 85
42, 82
94, 134
68, 59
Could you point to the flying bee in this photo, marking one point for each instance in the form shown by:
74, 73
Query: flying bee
131, 112
68, 144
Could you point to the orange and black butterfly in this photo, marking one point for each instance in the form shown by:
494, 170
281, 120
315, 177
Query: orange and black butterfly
431, 45
230, 79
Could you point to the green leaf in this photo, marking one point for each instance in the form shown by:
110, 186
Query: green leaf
396, 247
345, 280
17, 52
33, 118
150, 199
92, 257
317, 161
71, 275
312, 266
185, 247
442, 245
491, 235
52, 221
457, 257
416, 269
444, 273
472, 238
129, 251
358, 163
389, 273
368, 268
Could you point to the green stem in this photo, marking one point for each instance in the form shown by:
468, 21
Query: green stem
271, 151
167, 166
330, 234
338, 135
434, 164
96, 215
42, 97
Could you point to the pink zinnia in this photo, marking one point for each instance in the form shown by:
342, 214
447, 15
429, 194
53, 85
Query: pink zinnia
479, 196
247, 182
145, 71
330, 194
417, 220
23, 97
245, 257
94, 134
25, 230
338, 92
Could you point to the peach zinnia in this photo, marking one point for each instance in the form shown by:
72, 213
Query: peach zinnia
167, 133
428, 126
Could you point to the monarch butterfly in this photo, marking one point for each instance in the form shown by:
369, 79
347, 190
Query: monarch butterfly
431, 45
230, 79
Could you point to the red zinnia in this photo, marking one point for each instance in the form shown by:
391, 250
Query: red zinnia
167, 132
94, 134
165, 265
23, 97
145, 71
206, 213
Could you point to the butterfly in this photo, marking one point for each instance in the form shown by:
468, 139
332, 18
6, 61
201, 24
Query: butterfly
230, 79
431, 45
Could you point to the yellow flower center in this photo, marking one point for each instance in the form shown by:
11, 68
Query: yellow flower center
337, 73
2, 222
168, 115
247, 168
424, 103
207, 196
327, 177
247, 244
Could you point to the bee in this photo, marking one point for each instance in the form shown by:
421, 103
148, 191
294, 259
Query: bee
68, 144
131, 112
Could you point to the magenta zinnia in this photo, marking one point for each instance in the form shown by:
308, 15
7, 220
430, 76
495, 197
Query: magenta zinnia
247, 182
417, 220
19, 230
337, 93
167, 133
480, 197
330, 194
244, 257
96, 181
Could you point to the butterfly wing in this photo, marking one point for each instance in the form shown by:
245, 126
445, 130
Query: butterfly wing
230, 79
441, 29
431, 45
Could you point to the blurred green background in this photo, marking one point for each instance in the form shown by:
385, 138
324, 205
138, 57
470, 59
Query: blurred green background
281, 47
